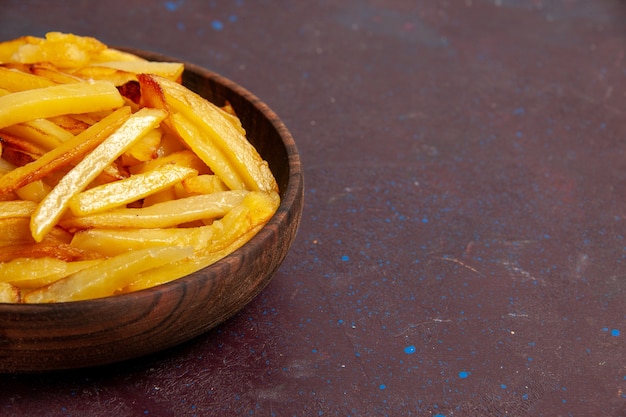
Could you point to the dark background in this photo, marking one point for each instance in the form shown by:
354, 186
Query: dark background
462, 250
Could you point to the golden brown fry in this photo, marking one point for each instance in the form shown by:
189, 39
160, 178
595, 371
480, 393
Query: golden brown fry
52, 73
64, 50
117, 77
206, 150
203, 184
41, 132
20, 144
118, 193
172, 271
214, 127
17, 157
14, 231
108, 276
145, 149
114, 241
165, 214
170, 70
9, 49
52, 207
12, 80
9, 293
70, 124
64, 154
43, 249
30, 273
34, 191
19, 208
183, 158
58, 99
227, 235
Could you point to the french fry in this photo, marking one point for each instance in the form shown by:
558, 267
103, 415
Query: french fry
203, 184
256, 208
116, 76
64, 50
52, 207
112, 195
183, 158
114, 241
227, 235
56, 100
20, 144
5, 167
9, 49
45, 249
170, 70
12, 80
34, 191
24, 269
64, 154
52, 73
108, 276
208, 152
41, 132
15, 231
214, 127
9, 293
146, 149
70, 124
170, 272
16, 209
38, 272
165, 214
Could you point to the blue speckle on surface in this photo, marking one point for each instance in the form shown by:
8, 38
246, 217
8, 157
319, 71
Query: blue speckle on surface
172, 5
439, 415
615, 332
217, 25
503, 386
409, 349
463, 374
382, 386
524, 396
345, 258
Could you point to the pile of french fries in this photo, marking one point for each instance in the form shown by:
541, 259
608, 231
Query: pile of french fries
114, 177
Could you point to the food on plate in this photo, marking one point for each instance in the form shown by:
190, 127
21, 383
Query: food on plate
114, 177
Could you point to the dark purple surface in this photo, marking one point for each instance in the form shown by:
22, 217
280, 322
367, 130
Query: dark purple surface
462, 249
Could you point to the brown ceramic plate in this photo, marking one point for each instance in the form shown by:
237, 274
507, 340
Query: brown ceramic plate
57, 336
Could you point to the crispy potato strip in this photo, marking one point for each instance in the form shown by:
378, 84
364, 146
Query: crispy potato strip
165, 214
63, 154
114, 194
52, 207
107, 276
56, 100
213, 127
